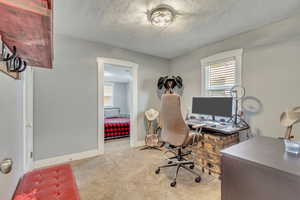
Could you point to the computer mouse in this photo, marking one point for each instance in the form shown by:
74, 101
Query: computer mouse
222, 120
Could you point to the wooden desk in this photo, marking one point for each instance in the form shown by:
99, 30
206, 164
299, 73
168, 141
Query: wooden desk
260, 169
214, 139
207, 152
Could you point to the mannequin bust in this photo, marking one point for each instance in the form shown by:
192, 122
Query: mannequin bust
151, 114
151, 123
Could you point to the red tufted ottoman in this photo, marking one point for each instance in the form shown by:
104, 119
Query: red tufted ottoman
55, 183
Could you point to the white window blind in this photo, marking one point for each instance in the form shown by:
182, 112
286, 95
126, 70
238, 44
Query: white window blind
221, 72
221, 76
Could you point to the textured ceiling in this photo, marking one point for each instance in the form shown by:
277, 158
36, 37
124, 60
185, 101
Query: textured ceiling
123, 23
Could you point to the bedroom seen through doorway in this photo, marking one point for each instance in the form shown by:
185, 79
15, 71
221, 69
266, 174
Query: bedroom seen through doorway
117, 107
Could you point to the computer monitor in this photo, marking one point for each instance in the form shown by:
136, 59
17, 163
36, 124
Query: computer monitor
214, 106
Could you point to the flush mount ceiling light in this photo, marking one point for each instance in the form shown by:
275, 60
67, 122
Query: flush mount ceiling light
162, 15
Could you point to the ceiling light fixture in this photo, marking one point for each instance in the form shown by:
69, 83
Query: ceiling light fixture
162, 16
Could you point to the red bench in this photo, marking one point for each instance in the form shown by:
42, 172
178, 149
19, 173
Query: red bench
55, 183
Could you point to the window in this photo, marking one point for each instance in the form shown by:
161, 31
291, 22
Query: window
221, 72
108, 95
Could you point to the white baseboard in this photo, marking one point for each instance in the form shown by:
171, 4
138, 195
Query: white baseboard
65, 158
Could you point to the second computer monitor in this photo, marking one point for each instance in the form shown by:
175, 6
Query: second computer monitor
214, 106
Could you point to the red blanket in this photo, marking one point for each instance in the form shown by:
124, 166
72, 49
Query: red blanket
116, 128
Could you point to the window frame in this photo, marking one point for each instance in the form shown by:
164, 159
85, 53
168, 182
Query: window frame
237, 54
112, 96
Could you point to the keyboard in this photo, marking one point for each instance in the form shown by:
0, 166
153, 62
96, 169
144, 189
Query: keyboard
207, 123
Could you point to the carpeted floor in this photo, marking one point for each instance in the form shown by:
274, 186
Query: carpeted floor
128, 174
117, 145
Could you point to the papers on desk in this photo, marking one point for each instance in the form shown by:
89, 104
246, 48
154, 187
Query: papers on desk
225, 128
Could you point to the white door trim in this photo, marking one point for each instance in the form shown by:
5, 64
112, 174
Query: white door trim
134, 100
27, 79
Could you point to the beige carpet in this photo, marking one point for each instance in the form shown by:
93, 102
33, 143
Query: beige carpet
119, 145
128, 174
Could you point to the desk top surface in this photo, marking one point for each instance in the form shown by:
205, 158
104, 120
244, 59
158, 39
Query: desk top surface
266, 151
226, 129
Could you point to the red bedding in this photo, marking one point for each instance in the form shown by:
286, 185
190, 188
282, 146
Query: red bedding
116, 128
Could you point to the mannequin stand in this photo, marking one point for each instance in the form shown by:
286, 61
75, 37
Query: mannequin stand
150, 148
151, 138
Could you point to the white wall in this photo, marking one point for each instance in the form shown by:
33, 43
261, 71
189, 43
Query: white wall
271, 71
11, 135
121, 93
65, 99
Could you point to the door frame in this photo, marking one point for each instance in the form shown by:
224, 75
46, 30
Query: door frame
134, 100
27, 116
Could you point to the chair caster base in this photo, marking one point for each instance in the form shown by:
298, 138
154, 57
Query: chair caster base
198, 179
157, 171
173, 184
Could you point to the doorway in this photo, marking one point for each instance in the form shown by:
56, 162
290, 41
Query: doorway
117, 104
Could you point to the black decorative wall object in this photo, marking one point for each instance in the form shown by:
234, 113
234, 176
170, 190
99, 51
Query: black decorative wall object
170, 84
10, 63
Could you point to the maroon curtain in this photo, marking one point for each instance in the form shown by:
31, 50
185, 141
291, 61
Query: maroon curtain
27, 24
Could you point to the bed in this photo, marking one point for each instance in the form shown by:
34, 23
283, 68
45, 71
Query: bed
116, 125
